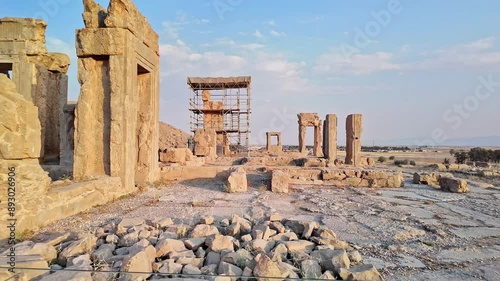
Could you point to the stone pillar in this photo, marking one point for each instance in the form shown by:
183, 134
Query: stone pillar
354, 129
302, 138
67, 135
330, 137
318, 140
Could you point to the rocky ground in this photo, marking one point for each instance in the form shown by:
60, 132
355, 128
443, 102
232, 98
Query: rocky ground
410, 233
169, 136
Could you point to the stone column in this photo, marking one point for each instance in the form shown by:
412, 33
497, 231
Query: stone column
354, 129
318, 140
302, 138
330, 137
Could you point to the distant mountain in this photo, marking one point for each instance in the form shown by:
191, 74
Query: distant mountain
476, 141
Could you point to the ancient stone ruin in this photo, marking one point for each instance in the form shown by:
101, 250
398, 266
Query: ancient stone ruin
310, 120
274, 148
116, 123
71, 156
39, 76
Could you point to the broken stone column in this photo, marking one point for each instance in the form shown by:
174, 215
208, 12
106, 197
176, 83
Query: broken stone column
118, 69
354, 129
318, 140
67, 135
39, 76
302, 138
330, 137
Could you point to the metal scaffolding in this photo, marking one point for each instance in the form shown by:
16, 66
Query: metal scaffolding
234, 93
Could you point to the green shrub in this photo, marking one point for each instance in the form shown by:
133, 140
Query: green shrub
392, 158
413, 163
382, 159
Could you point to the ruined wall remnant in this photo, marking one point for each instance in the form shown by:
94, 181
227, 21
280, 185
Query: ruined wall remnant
205, 142
39, 76
20, 142
354, 129
310, 120
274, 148
116, 118
67, 134
330, 137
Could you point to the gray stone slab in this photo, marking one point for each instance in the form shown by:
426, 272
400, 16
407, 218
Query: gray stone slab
468, 254
488, 220
476, 232
412, 262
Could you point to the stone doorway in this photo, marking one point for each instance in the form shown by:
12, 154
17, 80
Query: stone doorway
144, 124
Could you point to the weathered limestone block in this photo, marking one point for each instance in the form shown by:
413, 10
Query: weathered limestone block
205, 142
354, 129
20, 136
177, 155
279, 182
67, 135
29, 32
124, 14
396, 180
111, 41
330, 137
93, 14
237, 181
55, 62
366, 272
453, 185
430, 179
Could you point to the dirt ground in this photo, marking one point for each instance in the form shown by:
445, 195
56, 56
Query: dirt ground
410, 233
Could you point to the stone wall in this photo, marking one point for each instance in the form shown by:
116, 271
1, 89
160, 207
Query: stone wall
39, 76
38, 201
118, 68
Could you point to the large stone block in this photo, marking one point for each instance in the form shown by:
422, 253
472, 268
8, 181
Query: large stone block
453, 185
20, 130
237, 181
279, 182
124, 14
112, 41
330, 137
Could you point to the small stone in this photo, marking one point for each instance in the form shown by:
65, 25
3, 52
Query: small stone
275, 218
207, 220
311, 269
191, 270
301, 246
165, 246
355, 257
203, 230
361, 272
224, 223
218, 243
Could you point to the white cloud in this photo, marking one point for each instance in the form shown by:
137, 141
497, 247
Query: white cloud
271, 23
258, 34
312, 20
335, 62
276, 33
477, 53
173, 28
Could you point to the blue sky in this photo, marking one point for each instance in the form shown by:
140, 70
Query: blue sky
413, 74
